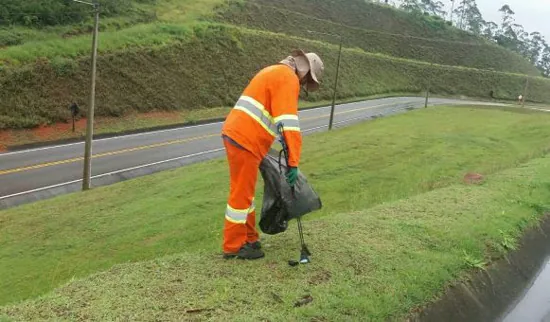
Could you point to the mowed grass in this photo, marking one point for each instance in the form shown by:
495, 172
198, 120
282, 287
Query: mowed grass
45, 244
173, 21
151, 35
378, 264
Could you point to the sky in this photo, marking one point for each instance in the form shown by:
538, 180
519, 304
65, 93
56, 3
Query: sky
533, 15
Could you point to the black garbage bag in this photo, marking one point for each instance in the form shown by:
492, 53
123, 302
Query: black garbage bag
279, 204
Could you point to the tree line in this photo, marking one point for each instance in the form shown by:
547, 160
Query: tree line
465, 15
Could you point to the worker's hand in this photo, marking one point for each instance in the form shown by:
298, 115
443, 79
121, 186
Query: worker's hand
292, 176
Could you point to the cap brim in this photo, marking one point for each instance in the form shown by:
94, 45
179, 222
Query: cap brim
313, 76
298, 52
312, 86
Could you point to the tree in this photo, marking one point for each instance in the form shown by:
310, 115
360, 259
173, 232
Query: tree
430, 7
452, 11
513, 36
523, 41
473, 18
507, 15
491, 30
535, 47
544, 62
507, 36
433, 7
411, 6
469, 17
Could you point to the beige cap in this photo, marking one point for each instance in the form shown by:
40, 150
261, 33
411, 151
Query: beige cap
311, 63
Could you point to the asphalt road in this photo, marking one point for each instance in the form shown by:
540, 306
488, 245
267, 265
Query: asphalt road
41, 173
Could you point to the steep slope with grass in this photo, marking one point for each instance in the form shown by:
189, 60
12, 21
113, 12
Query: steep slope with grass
187, 75
377, 29
45, 244
170, 55
381, 262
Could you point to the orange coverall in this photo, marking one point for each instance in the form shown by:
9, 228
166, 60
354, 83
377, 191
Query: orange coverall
270, 98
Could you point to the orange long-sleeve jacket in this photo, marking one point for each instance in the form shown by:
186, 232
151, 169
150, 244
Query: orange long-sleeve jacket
270, 98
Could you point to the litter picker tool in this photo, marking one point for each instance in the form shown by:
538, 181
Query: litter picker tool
304, 253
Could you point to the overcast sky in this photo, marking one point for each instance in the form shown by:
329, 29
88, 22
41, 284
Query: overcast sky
533, 15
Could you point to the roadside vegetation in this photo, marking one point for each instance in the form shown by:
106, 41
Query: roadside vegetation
396, 228
377, 29
183, 77
46, 244
180, 55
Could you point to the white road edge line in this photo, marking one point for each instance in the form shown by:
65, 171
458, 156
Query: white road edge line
110, 173
177, 158
158, 162
106, 139
154, 163
130, 135
174, 129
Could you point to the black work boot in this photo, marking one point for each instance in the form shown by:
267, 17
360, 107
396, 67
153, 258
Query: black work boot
246, 252
256, 245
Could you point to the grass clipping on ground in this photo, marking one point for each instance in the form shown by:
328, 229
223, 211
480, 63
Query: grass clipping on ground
377, 264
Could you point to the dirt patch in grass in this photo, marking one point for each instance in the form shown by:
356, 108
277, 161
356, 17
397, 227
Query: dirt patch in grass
473, 178
5, 138
59, 130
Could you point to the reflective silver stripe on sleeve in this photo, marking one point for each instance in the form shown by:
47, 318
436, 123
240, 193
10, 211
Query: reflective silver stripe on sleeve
256, 110
290, 122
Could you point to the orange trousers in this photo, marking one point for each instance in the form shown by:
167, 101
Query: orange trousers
240, 214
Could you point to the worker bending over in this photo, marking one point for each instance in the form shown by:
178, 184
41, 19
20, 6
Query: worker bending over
250, 129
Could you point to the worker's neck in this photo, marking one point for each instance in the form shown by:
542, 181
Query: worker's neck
289, 62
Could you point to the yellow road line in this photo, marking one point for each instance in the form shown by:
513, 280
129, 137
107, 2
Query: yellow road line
100, 155
156, 145
345, 112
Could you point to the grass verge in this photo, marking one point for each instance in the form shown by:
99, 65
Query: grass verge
380, 263
45, 244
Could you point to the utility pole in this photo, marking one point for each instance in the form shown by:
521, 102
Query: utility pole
428, 87
335, 87
427, 94
334, 90
525, 91
90, 117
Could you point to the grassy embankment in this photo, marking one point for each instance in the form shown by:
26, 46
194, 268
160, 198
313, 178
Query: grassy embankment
380, 247
184, 75
180, 59
377, 29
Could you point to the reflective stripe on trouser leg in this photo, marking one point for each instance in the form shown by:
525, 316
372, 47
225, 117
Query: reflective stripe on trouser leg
251, 232
243, 173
